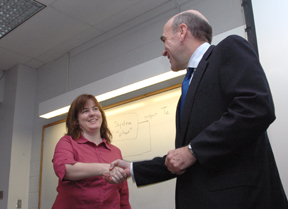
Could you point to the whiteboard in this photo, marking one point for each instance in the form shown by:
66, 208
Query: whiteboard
142, 128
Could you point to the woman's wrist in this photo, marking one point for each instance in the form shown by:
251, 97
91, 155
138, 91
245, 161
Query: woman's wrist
104, 168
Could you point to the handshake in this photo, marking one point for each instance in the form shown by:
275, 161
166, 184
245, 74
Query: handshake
119, 171
176, 161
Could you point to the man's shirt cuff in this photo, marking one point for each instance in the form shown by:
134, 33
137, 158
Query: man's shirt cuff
132, 173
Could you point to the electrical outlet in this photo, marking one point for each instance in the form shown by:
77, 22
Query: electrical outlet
19, 203
1, 195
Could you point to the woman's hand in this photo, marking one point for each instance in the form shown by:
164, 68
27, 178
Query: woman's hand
115, 176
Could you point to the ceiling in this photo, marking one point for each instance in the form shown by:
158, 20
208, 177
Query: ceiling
63, 25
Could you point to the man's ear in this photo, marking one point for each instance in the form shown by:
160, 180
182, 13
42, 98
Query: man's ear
183, 31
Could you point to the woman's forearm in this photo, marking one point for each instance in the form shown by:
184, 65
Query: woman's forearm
80, 170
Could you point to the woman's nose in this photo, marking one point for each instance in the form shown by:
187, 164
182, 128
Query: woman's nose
91, 112
164, 53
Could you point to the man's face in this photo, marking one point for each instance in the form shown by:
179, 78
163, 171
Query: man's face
172, 46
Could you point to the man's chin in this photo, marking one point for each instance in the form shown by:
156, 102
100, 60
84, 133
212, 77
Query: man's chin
176, 69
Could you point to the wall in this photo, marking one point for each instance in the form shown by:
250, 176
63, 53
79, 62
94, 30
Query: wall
106, 55
6, 129
22, 136
270, 20
103, 57
2, 81
17, 111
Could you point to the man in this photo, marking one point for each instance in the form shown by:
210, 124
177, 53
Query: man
223, 158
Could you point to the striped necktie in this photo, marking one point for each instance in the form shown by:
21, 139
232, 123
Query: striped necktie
185, 86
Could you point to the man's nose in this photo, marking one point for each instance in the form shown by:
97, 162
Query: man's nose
164, 53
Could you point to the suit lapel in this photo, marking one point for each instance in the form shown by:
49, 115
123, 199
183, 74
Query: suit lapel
190, 97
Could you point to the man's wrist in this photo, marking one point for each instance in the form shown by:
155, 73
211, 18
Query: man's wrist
191, 150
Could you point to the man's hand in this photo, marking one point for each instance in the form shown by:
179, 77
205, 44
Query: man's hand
178, 160
119, 171
115, 176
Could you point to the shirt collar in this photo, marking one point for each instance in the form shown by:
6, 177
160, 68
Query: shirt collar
107, 145
83, 140
197, 55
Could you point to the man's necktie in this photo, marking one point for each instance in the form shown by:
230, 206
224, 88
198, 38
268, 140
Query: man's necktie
185, 86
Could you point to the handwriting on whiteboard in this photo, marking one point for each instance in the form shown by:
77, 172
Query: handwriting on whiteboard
146, 127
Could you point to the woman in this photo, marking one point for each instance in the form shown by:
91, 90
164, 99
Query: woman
83, 156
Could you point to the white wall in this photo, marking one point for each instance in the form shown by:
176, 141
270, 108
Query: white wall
271, 28
98, 59
16, 135
22, 137
2, 81
104, 56
6, 129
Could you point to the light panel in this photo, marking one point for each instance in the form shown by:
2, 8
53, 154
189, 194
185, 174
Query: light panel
15, 12
121, 91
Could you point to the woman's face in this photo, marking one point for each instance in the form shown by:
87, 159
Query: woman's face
90, 118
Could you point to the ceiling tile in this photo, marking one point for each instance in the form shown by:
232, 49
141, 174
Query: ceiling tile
30, 42
91, 11
68, 45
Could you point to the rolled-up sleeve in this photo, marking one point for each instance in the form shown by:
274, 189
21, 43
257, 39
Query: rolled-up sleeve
63, 155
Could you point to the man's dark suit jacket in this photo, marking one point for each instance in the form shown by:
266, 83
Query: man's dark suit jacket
227, 111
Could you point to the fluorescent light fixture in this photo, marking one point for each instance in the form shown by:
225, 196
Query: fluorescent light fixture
123, 90
14, 12
55, 113
139, 85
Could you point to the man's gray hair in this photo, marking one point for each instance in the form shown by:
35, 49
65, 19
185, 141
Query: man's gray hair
198, 26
